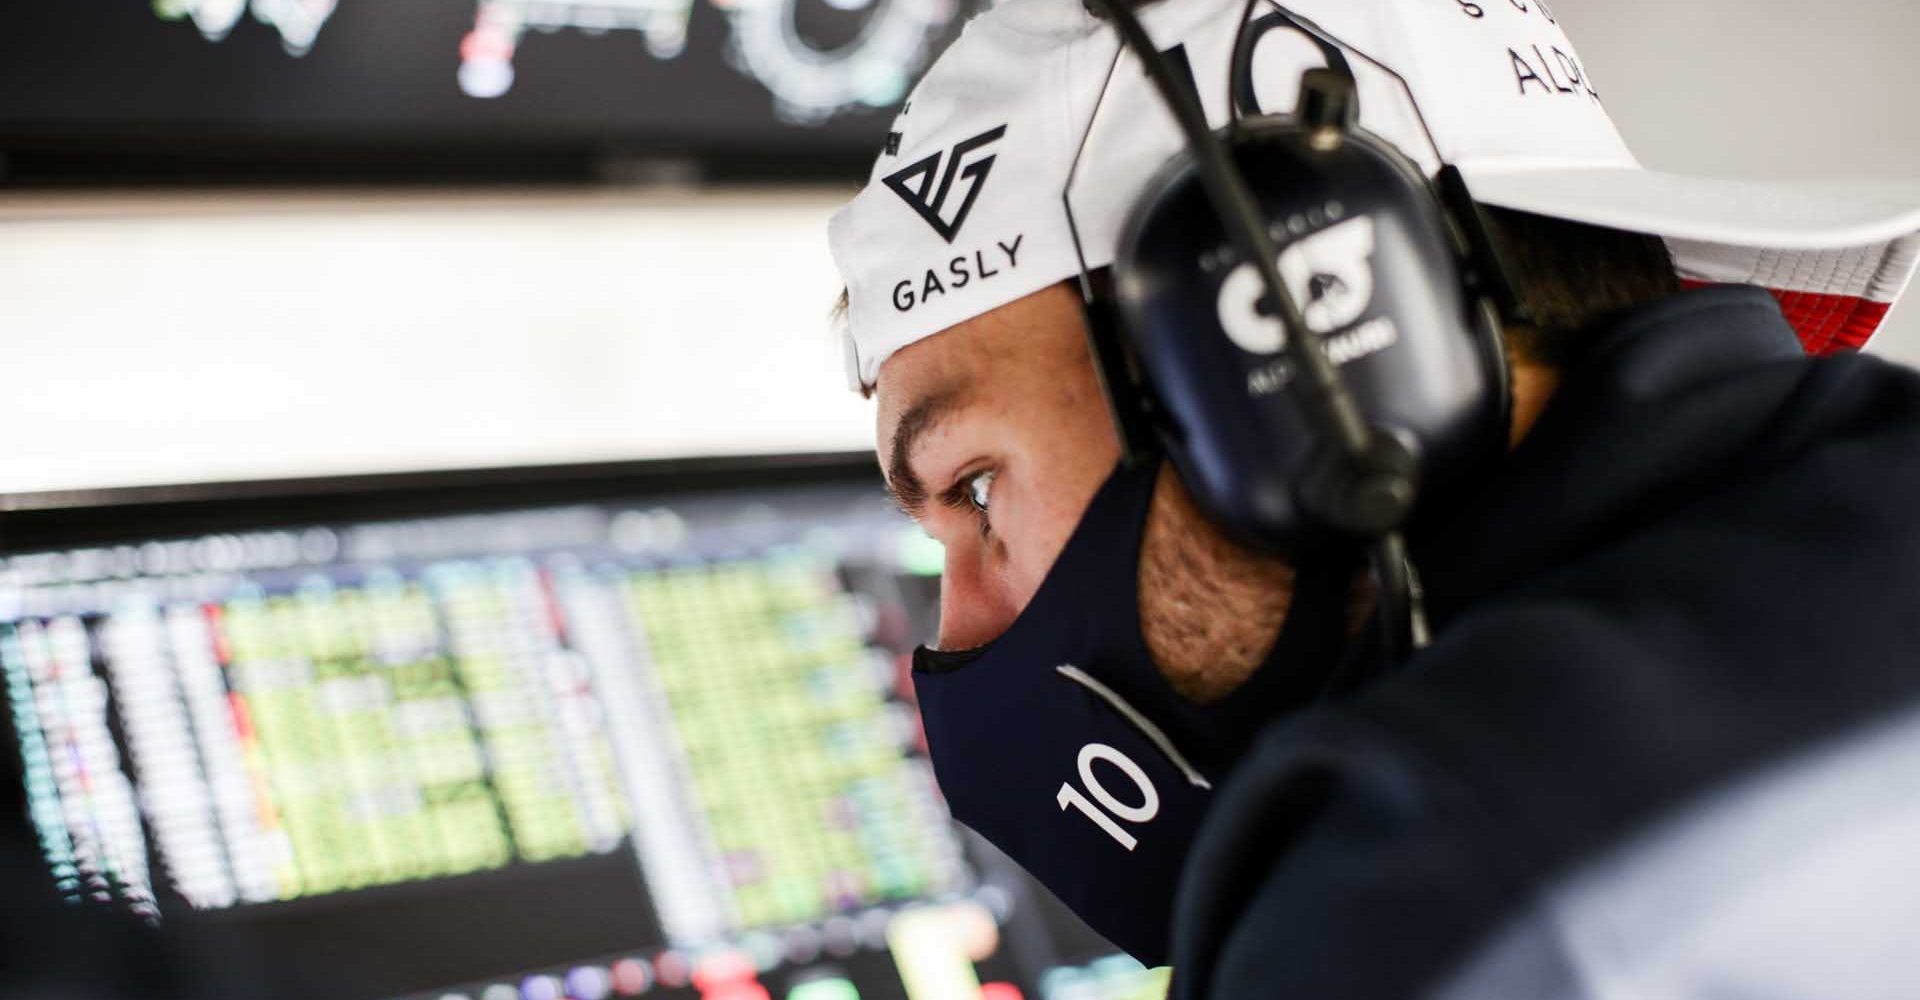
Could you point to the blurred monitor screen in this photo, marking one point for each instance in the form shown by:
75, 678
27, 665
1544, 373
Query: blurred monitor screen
799, 81
605, 747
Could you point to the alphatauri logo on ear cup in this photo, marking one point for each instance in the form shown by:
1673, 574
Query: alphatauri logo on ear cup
927, 185
1329, 273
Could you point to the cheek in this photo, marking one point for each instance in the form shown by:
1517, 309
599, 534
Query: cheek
1031, 533
1048, 486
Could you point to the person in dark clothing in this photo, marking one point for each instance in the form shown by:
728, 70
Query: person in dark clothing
1694, 570
1665, 626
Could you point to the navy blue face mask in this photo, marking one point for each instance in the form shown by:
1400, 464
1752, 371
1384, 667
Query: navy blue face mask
1062, 744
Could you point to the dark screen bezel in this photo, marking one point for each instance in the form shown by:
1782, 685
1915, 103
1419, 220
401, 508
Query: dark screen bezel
59, 519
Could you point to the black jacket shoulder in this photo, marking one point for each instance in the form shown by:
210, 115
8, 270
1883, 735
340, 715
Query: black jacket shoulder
1699, 565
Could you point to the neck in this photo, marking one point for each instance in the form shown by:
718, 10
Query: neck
1533, 385
1211, 610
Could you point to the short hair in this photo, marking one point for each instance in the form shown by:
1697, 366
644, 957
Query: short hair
1571, 276
837, 320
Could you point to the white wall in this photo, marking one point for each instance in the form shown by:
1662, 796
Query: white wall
1767, 89
196, 338
215, 338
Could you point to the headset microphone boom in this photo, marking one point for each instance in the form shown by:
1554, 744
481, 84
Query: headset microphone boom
1384, 384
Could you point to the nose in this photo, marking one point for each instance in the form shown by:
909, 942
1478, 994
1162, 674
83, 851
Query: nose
975, 604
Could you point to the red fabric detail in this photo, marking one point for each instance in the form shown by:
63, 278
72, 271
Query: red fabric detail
1827, 324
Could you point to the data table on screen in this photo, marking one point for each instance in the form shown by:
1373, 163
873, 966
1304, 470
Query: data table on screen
708, 695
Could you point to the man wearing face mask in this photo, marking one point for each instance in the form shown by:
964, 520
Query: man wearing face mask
1668, 628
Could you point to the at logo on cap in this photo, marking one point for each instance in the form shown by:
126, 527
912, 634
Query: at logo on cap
915, 183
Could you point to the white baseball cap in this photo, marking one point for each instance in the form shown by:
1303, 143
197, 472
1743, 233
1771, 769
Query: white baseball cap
1017, 157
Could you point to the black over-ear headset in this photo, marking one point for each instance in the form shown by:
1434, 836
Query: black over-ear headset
1305, 326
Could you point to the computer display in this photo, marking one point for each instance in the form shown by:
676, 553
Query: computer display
663, 746
801, 80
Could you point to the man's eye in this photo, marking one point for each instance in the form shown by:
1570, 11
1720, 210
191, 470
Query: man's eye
980, 490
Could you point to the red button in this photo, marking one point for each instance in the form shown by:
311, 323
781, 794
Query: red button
721, 969
737, 991
630, 977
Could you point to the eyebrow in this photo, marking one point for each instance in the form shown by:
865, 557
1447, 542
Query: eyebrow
903, 484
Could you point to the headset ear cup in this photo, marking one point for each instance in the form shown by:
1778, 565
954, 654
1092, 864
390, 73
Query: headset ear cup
1492, 336
1386, 285
1487, 266
1129, 399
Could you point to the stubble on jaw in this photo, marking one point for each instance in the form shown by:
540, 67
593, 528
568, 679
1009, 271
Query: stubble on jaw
1210, 610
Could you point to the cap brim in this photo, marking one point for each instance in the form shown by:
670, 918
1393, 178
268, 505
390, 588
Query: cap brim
1837, 260
1738, 213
